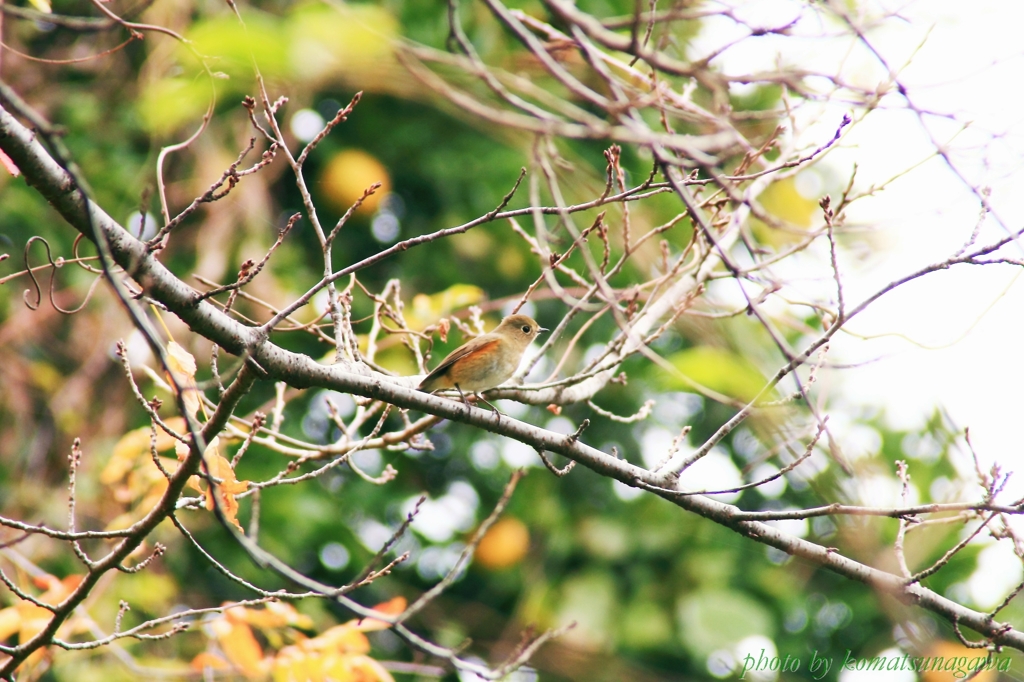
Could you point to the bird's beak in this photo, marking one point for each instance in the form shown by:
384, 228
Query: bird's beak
542, 329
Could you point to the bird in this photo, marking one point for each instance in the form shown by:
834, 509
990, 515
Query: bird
486, 361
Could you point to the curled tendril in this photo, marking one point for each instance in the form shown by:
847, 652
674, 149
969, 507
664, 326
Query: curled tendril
85, 301
54, 265
82, 261
32, 275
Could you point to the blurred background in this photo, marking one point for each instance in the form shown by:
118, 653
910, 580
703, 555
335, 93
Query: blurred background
657, 594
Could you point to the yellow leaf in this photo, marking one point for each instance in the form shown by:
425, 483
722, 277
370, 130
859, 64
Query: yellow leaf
32, 620
370, 670
355, 668
42, 6
329, 657
134, 445
182, 367
145, 484
292, 664
342, 638
783, 200
427, 310
10, 622
181, 363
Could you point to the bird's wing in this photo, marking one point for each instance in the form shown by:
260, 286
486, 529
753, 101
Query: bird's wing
477, 344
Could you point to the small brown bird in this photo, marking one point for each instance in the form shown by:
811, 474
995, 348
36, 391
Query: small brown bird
486, 361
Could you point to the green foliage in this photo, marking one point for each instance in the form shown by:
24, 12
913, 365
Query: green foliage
715, 368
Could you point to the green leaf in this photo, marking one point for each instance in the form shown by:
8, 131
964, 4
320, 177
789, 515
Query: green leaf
588, 599
719, 369
166, 105
329, 40
645, 625
232, 47
717, 619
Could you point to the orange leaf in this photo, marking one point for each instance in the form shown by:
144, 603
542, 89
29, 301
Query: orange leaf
220, 469
68, 584
45, 581
206, 660
392, 607
239, 645
505, 544
277, 615
31, 619
56, 589
28, 620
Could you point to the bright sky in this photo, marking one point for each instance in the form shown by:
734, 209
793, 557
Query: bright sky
965, 324
954, 339
960, 346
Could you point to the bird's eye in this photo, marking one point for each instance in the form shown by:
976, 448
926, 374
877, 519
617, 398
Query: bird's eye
526, 329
